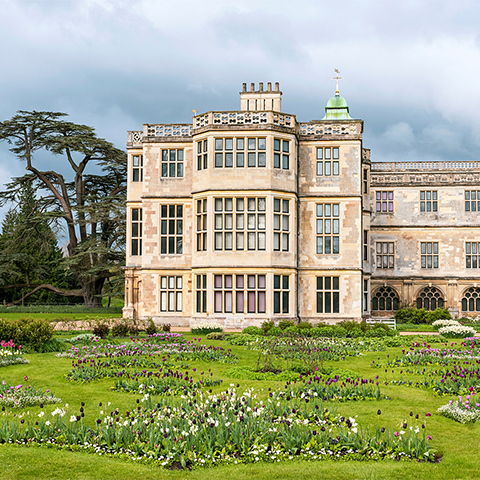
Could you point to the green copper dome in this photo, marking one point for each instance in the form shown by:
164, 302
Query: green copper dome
336, 109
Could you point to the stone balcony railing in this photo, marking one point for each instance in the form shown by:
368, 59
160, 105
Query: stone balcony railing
238, 118
246, 118
425, 166
330, 128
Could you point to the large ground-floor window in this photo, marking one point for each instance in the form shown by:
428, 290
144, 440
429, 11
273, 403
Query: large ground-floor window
471, 300
385, 298
430, 298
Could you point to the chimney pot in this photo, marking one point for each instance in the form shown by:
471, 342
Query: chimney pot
244, 87
252, 87
277, 86
269, 86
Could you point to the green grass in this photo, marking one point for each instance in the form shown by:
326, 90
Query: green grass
411, 327
63, 316
458, 443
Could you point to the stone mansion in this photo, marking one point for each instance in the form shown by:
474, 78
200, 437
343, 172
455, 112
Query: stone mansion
247, 215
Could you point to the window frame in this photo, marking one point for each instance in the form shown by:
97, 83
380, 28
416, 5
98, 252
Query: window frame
136, 231
384, 201
171, 292
428, 201
429, 255
327, 228
137, 169
171, 240
328, 161
327, 294
171, 164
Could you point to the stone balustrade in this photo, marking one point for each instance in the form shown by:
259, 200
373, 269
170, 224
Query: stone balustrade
426, 165
244, 118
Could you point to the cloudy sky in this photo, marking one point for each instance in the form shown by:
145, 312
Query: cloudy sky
411, 69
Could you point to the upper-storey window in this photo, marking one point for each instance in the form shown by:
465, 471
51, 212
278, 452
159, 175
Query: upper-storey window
472, 201
429, 254
257, 156
202, 157
171, 232
365, 180
281, 153
242, 220
472, 254
385, 254
172, 163
201, 216
327, 161
384, 201
281, 224
137, 168
136, 238
328, 228
428, 201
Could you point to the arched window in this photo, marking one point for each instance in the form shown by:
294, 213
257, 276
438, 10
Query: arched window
430, 298
385, 298
471, 300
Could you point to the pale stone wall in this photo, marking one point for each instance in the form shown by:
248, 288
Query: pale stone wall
451, 226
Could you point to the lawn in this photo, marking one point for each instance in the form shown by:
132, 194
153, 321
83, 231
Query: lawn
456, 444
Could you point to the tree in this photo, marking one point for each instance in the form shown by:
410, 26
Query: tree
90, 206
29, 254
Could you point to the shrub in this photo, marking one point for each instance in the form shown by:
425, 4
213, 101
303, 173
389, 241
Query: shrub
240, 338
324, 331
349, 325
26, 331
303, 325
253, 331
355, 332
101, 330
166, 327
411, 315
120, 329
438, 314
283, 324
205, 328
274, 331
133, 329
151, 328
267, 325
376, 332
339, 331
216, 336
292, 329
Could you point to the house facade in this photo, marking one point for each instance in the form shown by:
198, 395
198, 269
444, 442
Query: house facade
250, 215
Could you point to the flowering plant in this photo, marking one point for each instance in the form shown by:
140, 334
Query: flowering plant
443, 322
206, 327
457, 331
10, 354
19, 396
462, 410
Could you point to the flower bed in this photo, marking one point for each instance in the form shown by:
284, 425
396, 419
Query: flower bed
19, 396
177, 352
10, 354
206, 327
444, 323
197, 429
462, 410
457, 331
